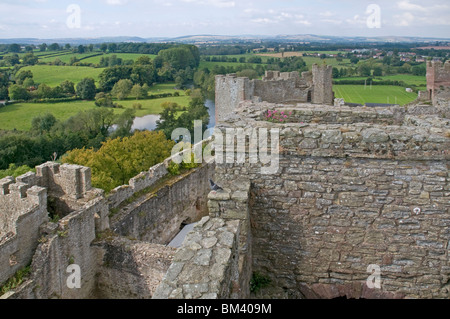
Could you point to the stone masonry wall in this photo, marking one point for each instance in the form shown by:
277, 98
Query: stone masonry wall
80, 236
323, 84
205, 266
438, 78
24, 209
214, 261
346, 197
131, 269
157, 217
275, 87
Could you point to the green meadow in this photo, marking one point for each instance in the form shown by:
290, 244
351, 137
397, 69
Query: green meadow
375, 94
19, 116
53, 75
91, 57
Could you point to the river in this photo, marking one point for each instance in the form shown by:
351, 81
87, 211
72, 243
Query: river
148, 122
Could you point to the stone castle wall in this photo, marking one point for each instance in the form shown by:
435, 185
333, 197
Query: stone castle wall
24, 209
83, 235
215, 259
438, 79
347, 196
275, 87
157, 217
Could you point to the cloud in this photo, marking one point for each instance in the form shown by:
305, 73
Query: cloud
326, 14
282, 17
405, 19
407, 5
418, 15
215, 3
116, 2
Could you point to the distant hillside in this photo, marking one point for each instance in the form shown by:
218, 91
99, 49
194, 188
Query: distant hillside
198, 39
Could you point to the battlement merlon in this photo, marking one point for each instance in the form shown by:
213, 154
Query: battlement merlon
438, 78
71, 180
20, 186
438, 65
277, 75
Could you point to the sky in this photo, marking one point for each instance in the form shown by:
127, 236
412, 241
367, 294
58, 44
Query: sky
173, 18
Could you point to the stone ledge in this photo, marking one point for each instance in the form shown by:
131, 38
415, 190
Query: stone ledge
205, 263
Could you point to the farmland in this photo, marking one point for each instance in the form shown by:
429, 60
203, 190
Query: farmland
53, 75
375, 94
19, 116
93, 58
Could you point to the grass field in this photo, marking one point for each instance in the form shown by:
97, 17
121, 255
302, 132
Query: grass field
53, 75
376, 94
211, 65
92, 57
19, 116
123, 56
407, 78
65, 57
329, 61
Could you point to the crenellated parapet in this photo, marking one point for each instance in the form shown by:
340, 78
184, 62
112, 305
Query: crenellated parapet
24, 210
275, 87
73, 181
438, 78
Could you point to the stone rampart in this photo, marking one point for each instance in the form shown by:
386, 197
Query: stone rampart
347, 196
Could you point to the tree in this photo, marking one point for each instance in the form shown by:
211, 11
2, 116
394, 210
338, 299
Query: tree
29, 48
143, 74
103, 47
124, 123
67, 87
143, 60
28, 82
43, 123
103, 99
335, 73
181, 57
378, 71
86, 89
354, 60
111, 76
168, 118
73, 60
364, 70
44, 91
30, 59
54, 47
18, 92
419, 70
15, 48
22, 75
12, 60
81, 49
122, 89
112, 47
94, 123
138, 92
43, 47
196, 111
120, 159
67, 46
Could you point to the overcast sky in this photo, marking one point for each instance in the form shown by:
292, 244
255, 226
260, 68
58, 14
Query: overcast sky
172, 18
